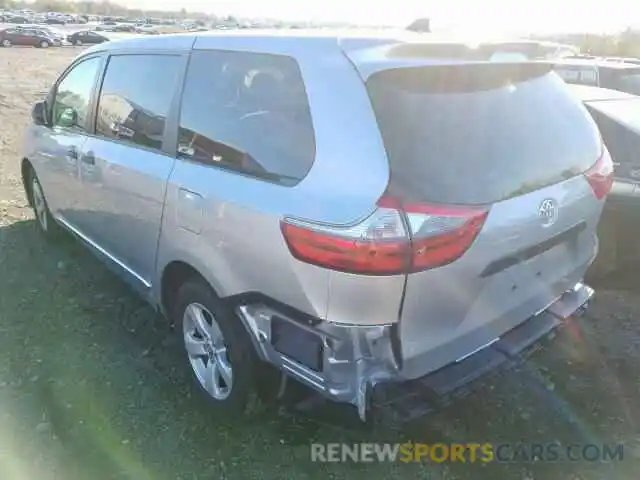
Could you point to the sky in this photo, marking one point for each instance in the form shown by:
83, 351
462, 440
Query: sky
541, 16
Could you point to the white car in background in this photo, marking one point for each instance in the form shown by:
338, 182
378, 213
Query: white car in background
148, 29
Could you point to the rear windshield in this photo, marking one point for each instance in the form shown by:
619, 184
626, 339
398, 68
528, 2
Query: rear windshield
477, 134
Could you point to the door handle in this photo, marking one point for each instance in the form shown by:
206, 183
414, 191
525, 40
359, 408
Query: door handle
89, 158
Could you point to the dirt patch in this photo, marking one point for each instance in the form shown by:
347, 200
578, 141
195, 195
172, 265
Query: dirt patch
89, 387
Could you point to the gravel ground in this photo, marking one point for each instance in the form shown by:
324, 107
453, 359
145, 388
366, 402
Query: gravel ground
89, 388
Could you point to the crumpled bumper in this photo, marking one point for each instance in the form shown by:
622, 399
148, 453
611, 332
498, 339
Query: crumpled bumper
360, 365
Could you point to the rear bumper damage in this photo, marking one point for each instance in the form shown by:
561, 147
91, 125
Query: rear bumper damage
361, 365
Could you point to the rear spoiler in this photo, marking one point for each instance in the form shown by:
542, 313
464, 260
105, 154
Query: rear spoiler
459, 50
422, 54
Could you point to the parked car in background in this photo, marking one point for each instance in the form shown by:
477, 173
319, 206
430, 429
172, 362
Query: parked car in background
26, 37
55, 21
17, 20
624, 77
57, 36
106, 26
86, 37
124, 27
167, 28
148, 29
229, 192
584, 56
77, 19
632, 60
617, 115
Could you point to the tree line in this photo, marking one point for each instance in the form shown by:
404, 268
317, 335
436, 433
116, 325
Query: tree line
102, 7
623, 44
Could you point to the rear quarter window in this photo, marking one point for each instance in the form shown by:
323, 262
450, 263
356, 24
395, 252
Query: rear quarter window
477, 134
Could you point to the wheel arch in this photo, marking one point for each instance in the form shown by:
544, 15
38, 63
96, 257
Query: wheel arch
174, 273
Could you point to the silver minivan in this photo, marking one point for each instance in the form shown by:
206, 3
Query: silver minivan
357, 210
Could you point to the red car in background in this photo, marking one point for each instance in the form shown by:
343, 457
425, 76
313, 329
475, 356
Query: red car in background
21, 36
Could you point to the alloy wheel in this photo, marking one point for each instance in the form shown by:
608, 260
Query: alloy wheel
207, 351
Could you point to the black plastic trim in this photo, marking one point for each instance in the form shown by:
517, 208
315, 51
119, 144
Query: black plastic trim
533, 251
252, 298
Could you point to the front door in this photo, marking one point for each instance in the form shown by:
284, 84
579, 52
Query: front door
124, 167
57, 160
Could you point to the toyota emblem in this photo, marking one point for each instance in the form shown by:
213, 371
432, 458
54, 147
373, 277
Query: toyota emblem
548, 212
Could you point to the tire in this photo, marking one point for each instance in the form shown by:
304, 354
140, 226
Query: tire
6, 43
44, 44
216, 348
78, 43
44, 220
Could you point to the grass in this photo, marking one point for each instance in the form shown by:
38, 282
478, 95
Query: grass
90, 388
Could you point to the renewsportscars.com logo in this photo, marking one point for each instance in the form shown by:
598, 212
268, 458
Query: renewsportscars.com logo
466, 452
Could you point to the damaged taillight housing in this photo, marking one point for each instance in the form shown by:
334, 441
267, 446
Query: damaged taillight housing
600, 175
398, 237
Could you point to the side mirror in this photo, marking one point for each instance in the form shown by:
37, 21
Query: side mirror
68, 118
39, 113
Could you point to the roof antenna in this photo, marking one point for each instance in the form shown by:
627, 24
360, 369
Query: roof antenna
420, 25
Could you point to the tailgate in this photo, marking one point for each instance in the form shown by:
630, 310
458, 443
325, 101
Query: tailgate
509, 139
517, 266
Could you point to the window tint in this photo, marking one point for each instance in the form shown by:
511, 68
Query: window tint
136, 96
74, 91
247, 112
473, 134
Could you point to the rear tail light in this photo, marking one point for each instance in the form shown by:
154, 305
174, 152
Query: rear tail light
439, 234
600, 175
397, 238
378, 245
